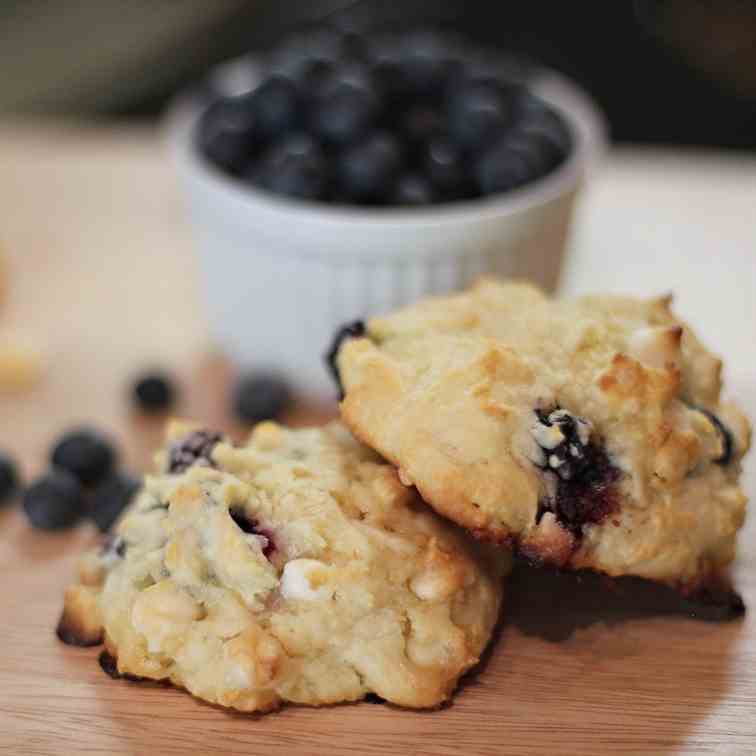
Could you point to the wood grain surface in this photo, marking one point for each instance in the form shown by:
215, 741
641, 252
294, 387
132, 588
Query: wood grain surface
103, 281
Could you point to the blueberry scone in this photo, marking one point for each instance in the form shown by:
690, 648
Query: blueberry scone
294, 568
587, 433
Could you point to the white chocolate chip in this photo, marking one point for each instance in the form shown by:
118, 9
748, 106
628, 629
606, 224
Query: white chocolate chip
305, 580
430, 585
163, 612
547, 436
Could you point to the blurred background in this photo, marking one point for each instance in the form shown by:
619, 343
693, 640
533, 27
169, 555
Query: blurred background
98, 263
664, 71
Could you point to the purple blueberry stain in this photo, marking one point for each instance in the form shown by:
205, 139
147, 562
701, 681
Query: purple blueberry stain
581, 479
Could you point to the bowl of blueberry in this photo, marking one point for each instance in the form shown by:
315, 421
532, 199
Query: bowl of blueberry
342, 175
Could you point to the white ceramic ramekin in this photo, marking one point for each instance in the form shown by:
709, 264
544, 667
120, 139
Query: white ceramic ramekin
281, 275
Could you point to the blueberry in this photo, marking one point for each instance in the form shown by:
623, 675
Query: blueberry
276, 105
420, 123
353, 330
536, 120
227, 131
259, 396
195, 448
728, 443
446, 166
252, 527
478, 114
367, 170
294, 166
54, 501
584, 478
84, 453
429, 62
344, 114
511, 163
154, 393
109, 499
412, 189
8, 478
563, 439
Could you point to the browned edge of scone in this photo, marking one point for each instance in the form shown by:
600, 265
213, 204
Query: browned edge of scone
79, 623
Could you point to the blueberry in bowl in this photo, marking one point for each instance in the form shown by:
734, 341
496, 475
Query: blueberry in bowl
359, 172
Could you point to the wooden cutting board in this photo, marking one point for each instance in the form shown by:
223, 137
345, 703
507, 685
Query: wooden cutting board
103, 281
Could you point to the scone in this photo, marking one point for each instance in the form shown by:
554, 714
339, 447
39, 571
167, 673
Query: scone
587, 433
294, 568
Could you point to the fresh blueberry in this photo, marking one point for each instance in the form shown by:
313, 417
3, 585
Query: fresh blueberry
8, 478
295, 167
353, 330
512, 162
478, 114
227, 132
109, 499
367, 170
276, 105
195, 448
446, 166
344, 114
84, 453
259, 396
420, 123
429, 62
412, 189
536, 120
154, 393
54, 501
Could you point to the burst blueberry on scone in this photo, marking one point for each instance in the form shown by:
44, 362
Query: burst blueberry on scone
587, 433
296, 567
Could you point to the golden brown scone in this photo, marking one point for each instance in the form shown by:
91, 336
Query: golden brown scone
294, 568
590, 433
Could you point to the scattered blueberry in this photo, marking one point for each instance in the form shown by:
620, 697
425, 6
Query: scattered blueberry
353, 330
154, 393
195, 448
412, 189
366, 171
8, 478
259, 396
54, 501
110, 497
84, 453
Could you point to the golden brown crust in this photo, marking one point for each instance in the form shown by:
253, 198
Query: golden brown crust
80, 622
294, 568
449, 391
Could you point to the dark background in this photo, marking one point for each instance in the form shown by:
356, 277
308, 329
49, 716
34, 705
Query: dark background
666, 71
